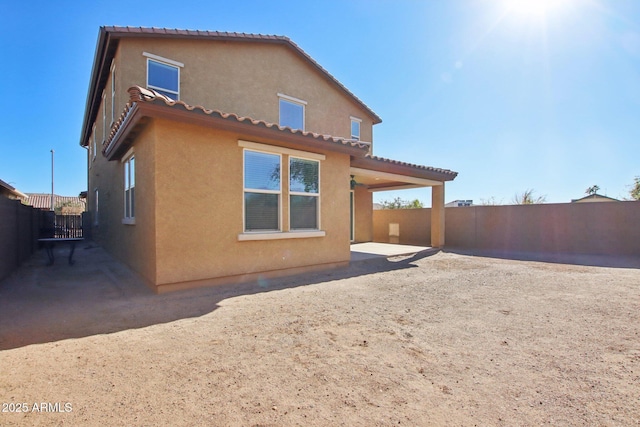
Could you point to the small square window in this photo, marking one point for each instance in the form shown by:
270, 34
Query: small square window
291, 114
163, 78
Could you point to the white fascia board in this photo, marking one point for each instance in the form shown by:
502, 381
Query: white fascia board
395, 177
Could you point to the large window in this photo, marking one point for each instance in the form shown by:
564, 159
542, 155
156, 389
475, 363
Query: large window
129, 188
281, 193
262, 190
291, 112
163, 78
304, 191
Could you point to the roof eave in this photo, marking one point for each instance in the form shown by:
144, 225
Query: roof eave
138, 112
399, 168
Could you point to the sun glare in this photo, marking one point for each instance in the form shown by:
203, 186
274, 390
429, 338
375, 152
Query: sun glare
534, 8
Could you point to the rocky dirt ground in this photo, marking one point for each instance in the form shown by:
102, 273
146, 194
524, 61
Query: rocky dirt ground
434, 339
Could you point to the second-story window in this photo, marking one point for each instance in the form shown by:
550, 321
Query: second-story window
291, 112
113, 93
163, 75
355, 128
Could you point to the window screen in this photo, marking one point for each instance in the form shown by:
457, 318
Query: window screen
304, 190
262, 191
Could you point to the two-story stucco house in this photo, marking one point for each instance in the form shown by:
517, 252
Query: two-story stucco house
221, 157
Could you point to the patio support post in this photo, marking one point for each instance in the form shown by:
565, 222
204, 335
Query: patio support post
437, 216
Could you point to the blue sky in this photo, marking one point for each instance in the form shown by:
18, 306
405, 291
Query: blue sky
510, 96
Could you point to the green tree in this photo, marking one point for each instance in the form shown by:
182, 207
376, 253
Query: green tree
527, 198
592, 190
635, 189
398, 203
491, 201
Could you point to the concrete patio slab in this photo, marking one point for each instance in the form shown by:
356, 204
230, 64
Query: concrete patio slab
370, 250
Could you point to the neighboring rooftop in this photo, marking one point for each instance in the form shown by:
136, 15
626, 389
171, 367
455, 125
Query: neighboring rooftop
9, 191
594, 198
43, 201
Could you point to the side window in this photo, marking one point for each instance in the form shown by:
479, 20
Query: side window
291, 112
355, 128
113, 93
104, 117
262, 190
95, 208
304, 193
163, 78
129, 187
95, 144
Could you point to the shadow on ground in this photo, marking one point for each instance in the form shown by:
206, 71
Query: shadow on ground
556, 258
99, 295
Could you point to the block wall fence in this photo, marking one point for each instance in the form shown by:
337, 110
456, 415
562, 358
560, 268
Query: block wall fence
575, 228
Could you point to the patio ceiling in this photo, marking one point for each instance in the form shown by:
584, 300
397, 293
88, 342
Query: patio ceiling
385, 181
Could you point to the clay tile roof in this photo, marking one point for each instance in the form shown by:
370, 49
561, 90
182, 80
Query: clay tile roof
143, 95
413, 166
43, 200
443, 173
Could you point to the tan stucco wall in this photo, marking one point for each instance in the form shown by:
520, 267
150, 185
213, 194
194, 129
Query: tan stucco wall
582, 228
363, 219
182, 243
199, 182
244, 78
133, 244
414, 226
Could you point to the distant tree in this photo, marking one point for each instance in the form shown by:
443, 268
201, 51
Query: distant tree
592, 190
527, 198
398, 203
491, 201
635, 189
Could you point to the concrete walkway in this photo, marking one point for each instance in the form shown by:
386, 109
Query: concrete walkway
370, 250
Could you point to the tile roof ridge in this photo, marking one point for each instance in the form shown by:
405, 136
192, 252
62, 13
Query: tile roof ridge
197, 32
138, 94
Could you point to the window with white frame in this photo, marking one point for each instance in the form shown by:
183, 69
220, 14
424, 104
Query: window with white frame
304, 193
95, 144
104, 117
355, 128
113, 93
262, 190
291, 112
163, 76
129, 187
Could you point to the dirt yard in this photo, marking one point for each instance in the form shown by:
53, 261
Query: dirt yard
435, 339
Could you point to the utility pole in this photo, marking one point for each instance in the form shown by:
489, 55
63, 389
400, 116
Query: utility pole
52, 207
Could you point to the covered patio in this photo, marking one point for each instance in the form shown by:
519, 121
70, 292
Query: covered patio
371, 174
